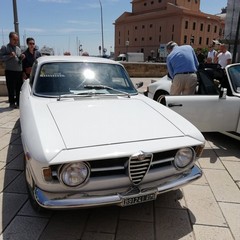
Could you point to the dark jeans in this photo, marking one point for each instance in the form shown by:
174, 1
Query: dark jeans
14, 83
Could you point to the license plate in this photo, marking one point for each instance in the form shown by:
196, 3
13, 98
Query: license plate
127, 201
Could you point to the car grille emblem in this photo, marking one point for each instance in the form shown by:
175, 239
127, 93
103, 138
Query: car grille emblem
138, 166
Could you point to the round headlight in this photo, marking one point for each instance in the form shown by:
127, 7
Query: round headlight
74, 174
184, 157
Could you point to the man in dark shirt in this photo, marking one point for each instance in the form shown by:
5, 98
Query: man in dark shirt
31, 54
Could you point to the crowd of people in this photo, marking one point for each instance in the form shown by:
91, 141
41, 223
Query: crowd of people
182, 65
18, 65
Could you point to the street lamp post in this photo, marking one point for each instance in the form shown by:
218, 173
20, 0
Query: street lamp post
16, 23
102, 27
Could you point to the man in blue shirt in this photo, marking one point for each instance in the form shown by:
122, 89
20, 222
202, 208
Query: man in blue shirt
182, 65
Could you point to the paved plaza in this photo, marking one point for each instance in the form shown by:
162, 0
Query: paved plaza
204, 210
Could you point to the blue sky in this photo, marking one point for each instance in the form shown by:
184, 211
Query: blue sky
60, 23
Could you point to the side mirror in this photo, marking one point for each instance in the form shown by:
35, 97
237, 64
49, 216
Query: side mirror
139, 84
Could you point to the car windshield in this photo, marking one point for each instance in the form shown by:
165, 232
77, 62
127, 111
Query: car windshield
234, 74
82, 79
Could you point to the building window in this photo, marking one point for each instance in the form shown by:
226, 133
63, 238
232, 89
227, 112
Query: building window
209, 28
152, 2
142, 38
159, 1
159, 38
135, 39
128, 32
119, 33
200, 41
143, 26
201, 27
160, 29
172, 28
151, 26
186, 24
150, 38
136, 27
172, 37
207, 41
185, 39
215, 29
145, 4
194, 26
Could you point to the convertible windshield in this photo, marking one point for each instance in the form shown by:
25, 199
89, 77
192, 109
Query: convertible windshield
82, 78
234, 73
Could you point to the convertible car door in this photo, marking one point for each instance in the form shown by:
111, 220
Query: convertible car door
208, 113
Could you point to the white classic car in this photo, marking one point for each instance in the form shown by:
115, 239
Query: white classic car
216, 104
90, 139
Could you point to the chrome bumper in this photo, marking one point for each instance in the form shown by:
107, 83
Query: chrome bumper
74, 201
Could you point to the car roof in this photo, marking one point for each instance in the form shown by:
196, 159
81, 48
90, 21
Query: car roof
49, 59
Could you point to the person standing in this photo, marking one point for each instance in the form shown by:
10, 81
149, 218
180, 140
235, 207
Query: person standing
182, 66
211, 54
31, 54
200, 56
12, 56
223, 57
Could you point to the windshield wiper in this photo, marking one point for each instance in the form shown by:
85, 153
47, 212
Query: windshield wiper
106, 87
69, 95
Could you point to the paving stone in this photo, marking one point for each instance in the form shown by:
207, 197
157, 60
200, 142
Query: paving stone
10, 152
65, 225
172, 224
202, 206
139, 212
6, 177
6, 139
18, 185
10, 205
231, 212
209, 159
27, 210
7, 119
103, 220
135, 230
4, 131
233, 168
222, 185
172, 199
97, 236
17, 163
212, 233
28, 228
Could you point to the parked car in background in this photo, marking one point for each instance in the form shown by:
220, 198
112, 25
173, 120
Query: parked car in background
216, 104
131, 57
90, 139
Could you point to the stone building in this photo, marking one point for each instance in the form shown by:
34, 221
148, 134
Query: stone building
155, 22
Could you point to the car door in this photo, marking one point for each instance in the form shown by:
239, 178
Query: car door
208, 112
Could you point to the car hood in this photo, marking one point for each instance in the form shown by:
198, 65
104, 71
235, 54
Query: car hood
95, 122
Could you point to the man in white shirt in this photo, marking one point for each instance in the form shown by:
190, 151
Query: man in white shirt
211, 54
224, 57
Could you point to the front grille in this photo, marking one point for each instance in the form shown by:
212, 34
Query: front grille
138, 167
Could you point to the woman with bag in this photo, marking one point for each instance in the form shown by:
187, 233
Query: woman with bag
31, 54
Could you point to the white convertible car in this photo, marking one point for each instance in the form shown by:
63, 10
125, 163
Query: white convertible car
216, 104
90, 139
